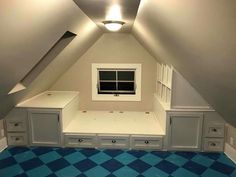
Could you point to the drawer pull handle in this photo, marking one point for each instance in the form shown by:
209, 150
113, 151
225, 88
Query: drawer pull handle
146, 142
16, 124
113, 141
80, 140
213, 144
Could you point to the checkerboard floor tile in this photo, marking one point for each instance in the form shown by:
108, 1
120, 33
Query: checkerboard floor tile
73, 162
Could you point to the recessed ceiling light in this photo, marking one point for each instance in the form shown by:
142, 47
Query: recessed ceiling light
113, 25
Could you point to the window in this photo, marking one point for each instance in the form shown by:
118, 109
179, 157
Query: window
116, 82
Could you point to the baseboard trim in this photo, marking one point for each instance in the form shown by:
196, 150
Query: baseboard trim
230, 152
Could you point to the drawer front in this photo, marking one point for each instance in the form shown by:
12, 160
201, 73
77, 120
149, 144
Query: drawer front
214, 130
14, 125
146, 142
121, 141
213, 144
17, 139
80, 140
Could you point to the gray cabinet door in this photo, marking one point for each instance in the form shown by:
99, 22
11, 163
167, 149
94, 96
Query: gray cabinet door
185, 131
44, 127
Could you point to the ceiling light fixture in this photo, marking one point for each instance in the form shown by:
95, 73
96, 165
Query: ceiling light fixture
113, 25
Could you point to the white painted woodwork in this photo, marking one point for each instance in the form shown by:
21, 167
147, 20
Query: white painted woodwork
115, 122
80, 140
213, 144
113, 141
45, 128
17, 139
146, 142
185, 131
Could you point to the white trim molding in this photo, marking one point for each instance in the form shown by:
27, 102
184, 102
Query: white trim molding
3, 144
111, 97
230, 152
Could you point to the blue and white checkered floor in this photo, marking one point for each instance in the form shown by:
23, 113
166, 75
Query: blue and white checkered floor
71, 162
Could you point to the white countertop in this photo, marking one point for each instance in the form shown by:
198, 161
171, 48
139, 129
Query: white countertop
118, 123
49, 99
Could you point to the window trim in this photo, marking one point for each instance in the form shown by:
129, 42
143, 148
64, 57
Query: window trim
114, 97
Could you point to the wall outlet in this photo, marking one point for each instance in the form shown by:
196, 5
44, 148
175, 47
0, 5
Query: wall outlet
231, 141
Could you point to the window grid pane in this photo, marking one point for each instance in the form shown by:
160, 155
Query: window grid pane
116, 81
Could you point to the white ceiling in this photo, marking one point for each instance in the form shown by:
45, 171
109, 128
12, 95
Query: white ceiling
100, 10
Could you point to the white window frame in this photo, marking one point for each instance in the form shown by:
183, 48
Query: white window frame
115, 97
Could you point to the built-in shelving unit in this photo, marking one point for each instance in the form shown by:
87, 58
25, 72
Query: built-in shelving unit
164, 82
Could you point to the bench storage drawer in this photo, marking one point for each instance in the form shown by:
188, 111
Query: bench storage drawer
113, 141
146, 142
80, 140
213, 144
15, 139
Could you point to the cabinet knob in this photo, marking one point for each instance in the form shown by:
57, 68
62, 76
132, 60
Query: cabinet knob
16, 124
17, 139
214, 130
213, 144
146, 142
80, 140
113, 141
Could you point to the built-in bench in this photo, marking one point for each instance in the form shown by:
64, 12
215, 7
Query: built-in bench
114, 129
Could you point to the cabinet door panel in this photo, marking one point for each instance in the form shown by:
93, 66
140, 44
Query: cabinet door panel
45, 128
185, 132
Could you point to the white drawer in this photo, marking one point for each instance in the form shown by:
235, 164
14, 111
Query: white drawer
214, 130
146, 142
213, 144
113, 141
14, 125
80, 140
17, 139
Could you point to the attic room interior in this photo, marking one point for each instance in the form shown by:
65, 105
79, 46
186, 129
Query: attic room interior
104, 88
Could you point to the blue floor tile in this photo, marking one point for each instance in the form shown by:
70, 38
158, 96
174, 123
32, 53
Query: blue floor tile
85, 165
73, 162
220, 167
194, 167
97, 171
39, 171
139, 166
69, 171
11, 171
112, 165
166, 166
125, 158
58, 164
30, 164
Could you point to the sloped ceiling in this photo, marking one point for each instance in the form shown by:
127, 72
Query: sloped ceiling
199, 39
29, 28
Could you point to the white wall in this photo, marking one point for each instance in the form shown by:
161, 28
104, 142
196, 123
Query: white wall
110, 48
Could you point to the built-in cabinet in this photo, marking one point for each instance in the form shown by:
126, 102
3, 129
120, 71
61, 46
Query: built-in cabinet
17, 127
189, 122
184, 123
185, 131
44, 127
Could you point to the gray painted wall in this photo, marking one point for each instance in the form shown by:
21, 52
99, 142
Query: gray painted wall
110, 48
28, 30
198, 38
